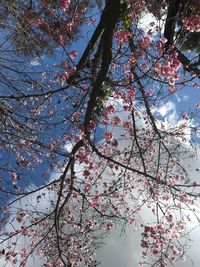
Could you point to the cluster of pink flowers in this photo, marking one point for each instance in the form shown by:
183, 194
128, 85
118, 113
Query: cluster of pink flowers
116, 120
160, 46
21, 216
131, 93
108, 135
73, 54
95, 201
76, 116
64, 4
60, 40
145, 43
69, 26
13, 176
110, 225
66, 74
109, 109
174, 180
168, 70
138, 6
192, 23
161, 239
22, 160
122, 36
88, 187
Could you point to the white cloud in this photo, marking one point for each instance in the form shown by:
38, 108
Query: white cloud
34, 62
148, 22
121, 249
68, 147
165, 109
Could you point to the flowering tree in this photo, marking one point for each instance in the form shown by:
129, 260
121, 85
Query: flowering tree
57, 100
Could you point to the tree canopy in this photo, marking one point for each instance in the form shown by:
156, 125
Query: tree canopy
85, 141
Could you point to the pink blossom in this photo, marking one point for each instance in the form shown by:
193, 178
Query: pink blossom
192, 23
61, 40
64, 4
20, 216
13, 176
131, 92
64, 77
108, 135
116, 120
91, 21
127, 125
69, 26
122, 36
110, 225
115, 143
86, 173
76, 116
73, 54
88, 187
169, 218
145, 42
109, 109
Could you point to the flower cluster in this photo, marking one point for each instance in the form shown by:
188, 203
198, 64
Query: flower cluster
64, 4
122, 36
192, 23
